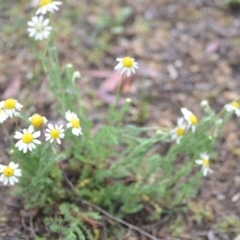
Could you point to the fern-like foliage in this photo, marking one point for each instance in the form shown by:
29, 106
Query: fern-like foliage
70, 224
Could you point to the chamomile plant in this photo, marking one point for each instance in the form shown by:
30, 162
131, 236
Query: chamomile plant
118, 166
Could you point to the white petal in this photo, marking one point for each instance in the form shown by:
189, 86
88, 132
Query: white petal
19, 143
199, 161
30, 148
30, 23
193, 128
180, 121
36, 134
205, 171
50, 126
128, 73
2, 178
14, 179
178, 140
75, 132
18, 173
13, 165
32, 33
5, 180
19, 106
60, 127
68, 115
186, 113
11, 181
36, 141
47, 138
25, 148
18, 135
204, 155
35, 19
74, 115
21, 146
30, 129
33, 145
237, 112
46, 21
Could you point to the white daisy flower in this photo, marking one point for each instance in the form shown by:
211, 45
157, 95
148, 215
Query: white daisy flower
48, 6
233, 107
127, 65
54, 133
11, 107
37, 120
38, 27
204, 161
191, 119
179, 131
27, 139
10, 173
74, 123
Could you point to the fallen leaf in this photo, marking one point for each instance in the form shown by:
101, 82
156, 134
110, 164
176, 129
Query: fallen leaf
212, 47
109, 87
13, 88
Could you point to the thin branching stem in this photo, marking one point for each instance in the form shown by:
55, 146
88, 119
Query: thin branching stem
107, 214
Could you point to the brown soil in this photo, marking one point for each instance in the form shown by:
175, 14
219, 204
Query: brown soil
188, 51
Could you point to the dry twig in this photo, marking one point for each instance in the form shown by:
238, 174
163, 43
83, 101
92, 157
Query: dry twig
106, 213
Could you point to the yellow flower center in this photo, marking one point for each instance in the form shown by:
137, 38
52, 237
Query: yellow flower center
27, 138
10, 104
127, 62
44, 2
193, 119
180, 131
75, 123
8, 172
235, 104
206, 163
55, 133
37, 120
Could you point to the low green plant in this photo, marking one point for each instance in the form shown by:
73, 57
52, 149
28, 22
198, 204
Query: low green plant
121, 167
229, 224
70, 223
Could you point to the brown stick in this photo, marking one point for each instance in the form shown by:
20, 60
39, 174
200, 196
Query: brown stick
106, 213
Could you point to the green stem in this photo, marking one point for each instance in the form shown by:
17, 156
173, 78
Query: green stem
118, 92
6, 132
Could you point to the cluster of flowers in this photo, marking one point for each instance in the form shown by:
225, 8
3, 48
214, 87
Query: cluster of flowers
189, 120
39, 29
28, 138
38, 26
